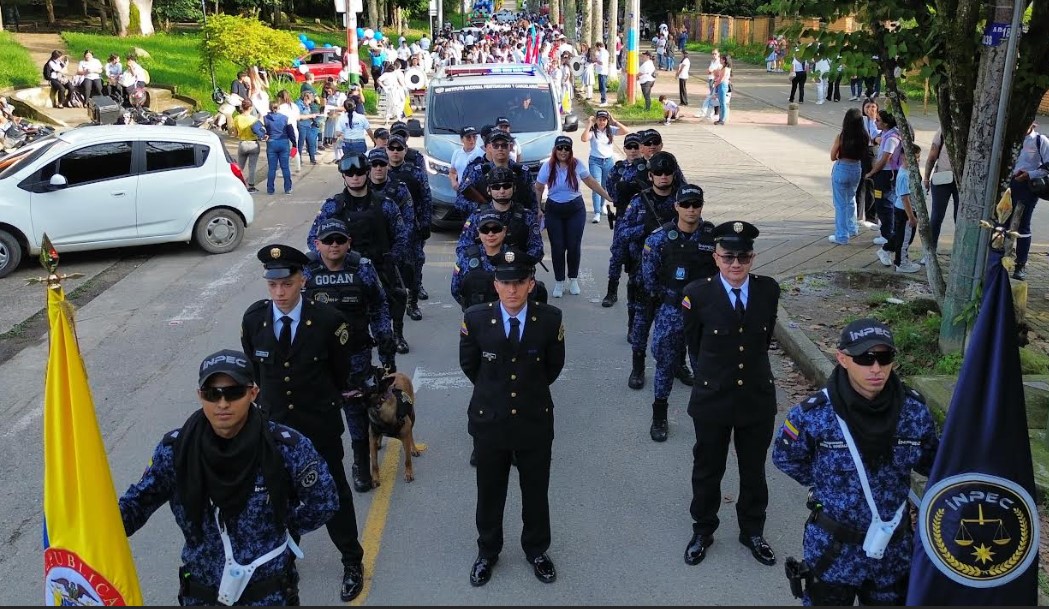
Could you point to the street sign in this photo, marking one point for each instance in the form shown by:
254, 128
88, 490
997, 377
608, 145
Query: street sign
433, 8
340, 6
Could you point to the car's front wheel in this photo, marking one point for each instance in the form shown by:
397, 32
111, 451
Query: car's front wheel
219, 231
10, 253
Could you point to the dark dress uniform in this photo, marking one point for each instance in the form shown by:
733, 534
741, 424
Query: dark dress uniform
511, 413
734, 396
303, 387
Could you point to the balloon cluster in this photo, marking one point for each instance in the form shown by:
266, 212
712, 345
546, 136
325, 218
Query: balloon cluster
369, 34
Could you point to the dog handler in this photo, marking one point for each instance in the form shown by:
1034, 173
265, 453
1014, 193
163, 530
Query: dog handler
241, 487
512, 351
300, 351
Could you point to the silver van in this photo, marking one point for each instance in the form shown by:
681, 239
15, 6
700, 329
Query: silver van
475, 95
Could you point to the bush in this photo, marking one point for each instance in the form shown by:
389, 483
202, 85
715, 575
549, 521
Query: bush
247, 42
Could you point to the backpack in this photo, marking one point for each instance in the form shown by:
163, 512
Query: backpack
47, 70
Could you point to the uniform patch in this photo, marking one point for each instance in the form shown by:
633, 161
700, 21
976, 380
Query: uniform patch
457, 269
686, 303
561, 333
343, 332
463, 330
789, 430
309, 476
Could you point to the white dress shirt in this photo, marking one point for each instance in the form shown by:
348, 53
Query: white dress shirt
521, 316
295, 315
744, 292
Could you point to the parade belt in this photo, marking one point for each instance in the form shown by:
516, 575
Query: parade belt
255, 592
842, 533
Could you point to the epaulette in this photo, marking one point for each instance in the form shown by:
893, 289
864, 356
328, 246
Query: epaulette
257, 306
914, 393
171, 437
817, 399
313, 256
484, 306
285, 435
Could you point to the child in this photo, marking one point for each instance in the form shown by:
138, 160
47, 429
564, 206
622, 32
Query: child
669, 109
906, 222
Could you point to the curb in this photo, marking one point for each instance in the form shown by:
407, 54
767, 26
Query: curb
806, 355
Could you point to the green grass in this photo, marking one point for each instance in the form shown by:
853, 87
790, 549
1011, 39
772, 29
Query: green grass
17, 69
747, 53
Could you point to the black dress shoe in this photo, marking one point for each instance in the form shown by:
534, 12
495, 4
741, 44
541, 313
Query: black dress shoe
684, 375
422, 293
482, 571
658, 431
413, 311
352, 582
544, 569
402, 345
697, 549
760, 548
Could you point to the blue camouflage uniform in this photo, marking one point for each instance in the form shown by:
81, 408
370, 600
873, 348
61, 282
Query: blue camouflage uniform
631, 232
395, 228
398, 192
811, 448
414, 176
473, 276
670, 260
474, 175
523, 232
255, 532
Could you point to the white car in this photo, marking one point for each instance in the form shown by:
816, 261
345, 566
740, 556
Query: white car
103, 186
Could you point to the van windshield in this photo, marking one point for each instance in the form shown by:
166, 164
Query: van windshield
529, 107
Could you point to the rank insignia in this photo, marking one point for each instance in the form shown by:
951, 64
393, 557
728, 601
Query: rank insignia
343, 332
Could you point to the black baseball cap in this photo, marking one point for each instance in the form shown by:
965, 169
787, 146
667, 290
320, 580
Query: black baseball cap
399, 127
498, 135
280, 261
859, 336
690, 192
381, 134
502, 120
229, 362
490, 217
736, 236
632, 138
467, 131
602, 114
332, 226
651, 136
397, 138
378, 154
563, 140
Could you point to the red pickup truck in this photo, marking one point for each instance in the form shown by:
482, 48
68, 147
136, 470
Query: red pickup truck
322, 63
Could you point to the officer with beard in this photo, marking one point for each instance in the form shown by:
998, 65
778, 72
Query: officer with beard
376, 229
349, 282
522, 224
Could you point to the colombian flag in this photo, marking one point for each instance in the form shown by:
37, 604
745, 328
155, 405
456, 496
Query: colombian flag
87, 559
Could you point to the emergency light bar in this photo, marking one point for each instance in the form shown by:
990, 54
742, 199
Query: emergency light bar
478, 70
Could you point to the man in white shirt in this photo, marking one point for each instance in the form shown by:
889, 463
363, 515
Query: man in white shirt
601, 64
822, 68
646, 77
682, 78
424, 43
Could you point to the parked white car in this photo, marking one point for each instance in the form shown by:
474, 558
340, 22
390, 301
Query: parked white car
103, 186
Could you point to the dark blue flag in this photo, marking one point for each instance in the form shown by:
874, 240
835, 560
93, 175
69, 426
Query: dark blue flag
978, 522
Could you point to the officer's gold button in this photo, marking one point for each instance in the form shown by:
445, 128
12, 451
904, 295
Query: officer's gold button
287, 364
704, 383
315, 358
513, 411
741, 366
513, 394
309, 322
741, 329
715, 331
538, 359
291, 406
480, 412
287, 393
513, 377
547, 410
765, 328
739, 382
287, 378
513, 359
741, 347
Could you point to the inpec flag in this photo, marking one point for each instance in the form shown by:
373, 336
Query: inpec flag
978, 521
87, 559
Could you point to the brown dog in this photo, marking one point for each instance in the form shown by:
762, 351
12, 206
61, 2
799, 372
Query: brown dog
391, 412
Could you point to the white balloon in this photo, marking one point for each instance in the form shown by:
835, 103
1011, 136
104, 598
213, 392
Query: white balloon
369, 33
303, 68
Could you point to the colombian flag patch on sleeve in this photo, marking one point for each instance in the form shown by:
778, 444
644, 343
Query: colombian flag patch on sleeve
463, 330
686, 303
789, 430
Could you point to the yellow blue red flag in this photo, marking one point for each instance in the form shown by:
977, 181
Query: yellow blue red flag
87, 558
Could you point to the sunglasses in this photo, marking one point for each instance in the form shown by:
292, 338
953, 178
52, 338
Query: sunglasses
231, 393
395, 148
335, 240
501, 186
884, 358
563, 148
689, 204
632, 147
356, 172
490, 229
661, 172
652, 143
500, 145
732, 258
379, 164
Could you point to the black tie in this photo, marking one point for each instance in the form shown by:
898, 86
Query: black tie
515, 333
738, 293
284, 340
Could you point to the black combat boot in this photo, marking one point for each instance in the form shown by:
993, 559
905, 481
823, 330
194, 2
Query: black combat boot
682, 373
637, 372
422, 293
361, 472
413, 307
398, 337
612, 295
658, 431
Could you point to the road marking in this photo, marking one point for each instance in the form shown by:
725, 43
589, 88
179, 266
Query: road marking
371, 538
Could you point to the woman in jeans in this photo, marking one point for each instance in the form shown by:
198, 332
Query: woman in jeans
564, 211
722, 79
847, 152
249, 130
883, 175
352, 127
279, 136
601, 130
865, 191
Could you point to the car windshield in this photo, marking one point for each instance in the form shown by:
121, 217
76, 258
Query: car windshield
529, 107
15, 161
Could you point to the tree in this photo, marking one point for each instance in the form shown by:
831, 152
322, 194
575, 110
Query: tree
246, 42
123, 11
613, 35
555, 11
167, 11
945, 35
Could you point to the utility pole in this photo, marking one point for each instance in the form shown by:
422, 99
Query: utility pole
633, 24
350, 8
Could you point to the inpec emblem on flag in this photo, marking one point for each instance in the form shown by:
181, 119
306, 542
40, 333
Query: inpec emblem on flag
979, 530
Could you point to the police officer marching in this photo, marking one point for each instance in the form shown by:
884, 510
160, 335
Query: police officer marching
512, 351
377, 232
234, 480
349, 282
474, 272
408, 166
380, 183
300, 352
473, 182
648, 210
522, 224
623, 182
729, 320
855, 443
674, 255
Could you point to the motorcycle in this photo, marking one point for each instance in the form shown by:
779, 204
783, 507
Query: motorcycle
224, 117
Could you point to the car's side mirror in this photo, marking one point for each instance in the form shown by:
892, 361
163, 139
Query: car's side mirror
571, 122
57, 182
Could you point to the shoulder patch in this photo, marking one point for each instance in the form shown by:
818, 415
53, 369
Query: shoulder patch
817, 399
914, 393
463, 329
343, 332
561, 333
686, 303
171, 437
285, 435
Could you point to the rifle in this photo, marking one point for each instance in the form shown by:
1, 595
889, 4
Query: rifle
471, 192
